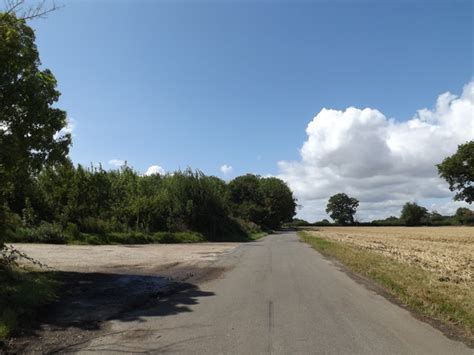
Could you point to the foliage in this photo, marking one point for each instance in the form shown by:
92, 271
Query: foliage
30, 127
464, 216
68, 204
297, 222
389, 221
342, 208
22, 294
267, 202
458, 170
413, 214
323, 222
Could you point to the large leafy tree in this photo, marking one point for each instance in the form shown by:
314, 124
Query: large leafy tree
267, 202
458, 171
279, 203
342, 208
30, 125
413, 214
246, 198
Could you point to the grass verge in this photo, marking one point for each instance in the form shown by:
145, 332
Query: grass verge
22, 294
257, 236
419, 289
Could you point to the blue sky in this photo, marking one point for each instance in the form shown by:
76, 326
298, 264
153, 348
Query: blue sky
207, 83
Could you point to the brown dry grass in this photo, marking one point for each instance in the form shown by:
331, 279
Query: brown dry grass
447, 252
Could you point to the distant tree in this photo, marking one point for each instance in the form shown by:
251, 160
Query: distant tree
298, 222
413, 214
268, 202
323, 222
464, 216
458, 171
389, 221
342, 208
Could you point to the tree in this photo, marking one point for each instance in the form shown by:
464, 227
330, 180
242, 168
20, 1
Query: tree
267, 202
246, 198
30, 127
279, 203
413, 214
458, 171
465, 216
342, 208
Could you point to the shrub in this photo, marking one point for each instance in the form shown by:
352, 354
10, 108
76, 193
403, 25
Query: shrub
72, 231
22, 294
179, 237
50, 233
94, 225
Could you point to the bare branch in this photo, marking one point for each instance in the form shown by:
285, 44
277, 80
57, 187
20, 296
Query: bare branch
12, 5
19, 8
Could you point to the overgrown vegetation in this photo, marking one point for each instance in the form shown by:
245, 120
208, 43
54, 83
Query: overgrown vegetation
420, 289
65, 204
22, 294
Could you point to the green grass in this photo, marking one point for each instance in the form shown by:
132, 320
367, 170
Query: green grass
257, 236
22, 294
419, 289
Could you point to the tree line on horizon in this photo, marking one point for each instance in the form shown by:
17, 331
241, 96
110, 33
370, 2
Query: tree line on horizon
411, 214
457, 170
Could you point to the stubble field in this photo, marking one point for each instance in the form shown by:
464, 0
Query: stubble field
447, 252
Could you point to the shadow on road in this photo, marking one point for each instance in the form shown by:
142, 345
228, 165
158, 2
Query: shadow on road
87, 300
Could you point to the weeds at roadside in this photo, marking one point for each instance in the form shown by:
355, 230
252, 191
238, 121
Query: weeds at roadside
22, 293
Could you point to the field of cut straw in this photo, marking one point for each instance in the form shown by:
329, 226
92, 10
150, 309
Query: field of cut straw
447, 252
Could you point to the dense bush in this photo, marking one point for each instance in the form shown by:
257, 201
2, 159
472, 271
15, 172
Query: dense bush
65, 203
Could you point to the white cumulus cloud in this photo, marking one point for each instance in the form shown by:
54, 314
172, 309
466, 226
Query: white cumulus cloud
382, 162
155, 169
226, 169
117, 162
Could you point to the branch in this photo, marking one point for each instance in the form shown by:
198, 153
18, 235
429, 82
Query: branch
41, 10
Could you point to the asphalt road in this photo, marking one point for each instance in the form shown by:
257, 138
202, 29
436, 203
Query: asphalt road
279, 297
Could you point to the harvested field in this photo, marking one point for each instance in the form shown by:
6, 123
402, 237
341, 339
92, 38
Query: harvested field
447, 252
